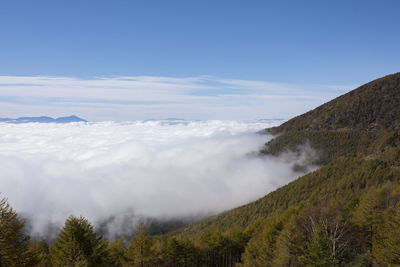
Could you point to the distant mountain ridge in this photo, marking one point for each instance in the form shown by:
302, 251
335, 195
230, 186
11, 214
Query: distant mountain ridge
44, 119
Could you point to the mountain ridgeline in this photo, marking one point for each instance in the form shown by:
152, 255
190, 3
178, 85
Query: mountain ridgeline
43, 119
373, 106
346, 213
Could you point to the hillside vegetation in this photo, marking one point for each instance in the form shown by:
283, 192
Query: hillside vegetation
347, 125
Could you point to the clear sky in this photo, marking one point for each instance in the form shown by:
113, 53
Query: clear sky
309, 50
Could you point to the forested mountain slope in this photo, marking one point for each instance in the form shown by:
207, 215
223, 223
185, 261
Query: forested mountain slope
347, 125
357, 136
344, 179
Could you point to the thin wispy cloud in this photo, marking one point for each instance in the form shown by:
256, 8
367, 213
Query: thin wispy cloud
159, 97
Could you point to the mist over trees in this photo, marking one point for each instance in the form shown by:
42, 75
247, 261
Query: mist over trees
316, 234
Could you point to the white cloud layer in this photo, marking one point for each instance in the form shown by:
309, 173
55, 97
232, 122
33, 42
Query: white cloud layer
141, 97
153, 168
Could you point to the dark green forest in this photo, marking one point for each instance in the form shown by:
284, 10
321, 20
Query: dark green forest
346, 213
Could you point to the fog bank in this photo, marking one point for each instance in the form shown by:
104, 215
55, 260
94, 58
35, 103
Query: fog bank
156, 169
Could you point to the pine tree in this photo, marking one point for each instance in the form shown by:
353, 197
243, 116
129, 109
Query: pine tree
260, 250
43, 252
287, 244
175, 252
368, 215
117, 251
14, 245
387, 246
79, 245
159, 251
139, 250
317, 251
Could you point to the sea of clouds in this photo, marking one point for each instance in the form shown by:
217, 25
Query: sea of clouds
160, 169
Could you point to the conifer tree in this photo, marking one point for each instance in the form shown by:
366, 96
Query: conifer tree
117, 251
79, 245
43, 253
387, 246
159, 251
368, 216
287, 244
175, 252
260, 250
14, 244
317, 251
139, 250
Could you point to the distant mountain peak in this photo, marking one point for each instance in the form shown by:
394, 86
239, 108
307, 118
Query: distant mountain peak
44, 119
71, 118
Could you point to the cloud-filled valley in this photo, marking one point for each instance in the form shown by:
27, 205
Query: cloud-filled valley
158, 169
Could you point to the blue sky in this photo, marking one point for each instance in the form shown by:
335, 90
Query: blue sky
318, 49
